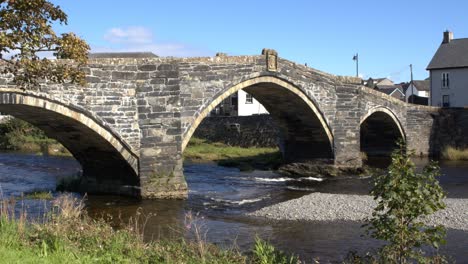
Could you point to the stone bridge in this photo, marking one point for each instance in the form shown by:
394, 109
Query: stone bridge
130, 125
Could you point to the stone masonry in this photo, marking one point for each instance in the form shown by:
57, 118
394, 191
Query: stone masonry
131, 123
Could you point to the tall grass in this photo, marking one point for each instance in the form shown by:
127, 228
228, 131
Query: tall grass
452, 153
68, 235
265, 253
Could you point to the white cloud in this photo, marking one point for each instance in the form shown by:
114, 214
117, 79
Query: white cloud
141, 39
129, 35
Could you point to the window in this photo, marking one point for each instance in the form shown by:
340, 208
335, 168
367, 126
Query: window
445, 80
445, 101
234, 103
248, 99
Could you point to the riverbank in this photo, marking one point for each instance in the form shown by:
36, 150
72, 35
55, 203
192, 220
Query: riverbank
230, 156
20, 136
348, 207
68, 233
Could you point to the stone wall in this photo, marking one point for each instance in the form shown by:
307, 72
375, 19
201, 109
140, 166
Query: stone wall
450, 129
243, 131
420, 129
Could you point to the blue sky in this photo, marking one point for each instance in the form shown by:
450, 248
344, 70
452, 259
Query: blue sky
388, 35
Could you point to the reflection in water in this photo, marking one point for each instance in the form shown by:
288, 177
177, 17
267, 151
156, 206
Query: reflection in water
222, 196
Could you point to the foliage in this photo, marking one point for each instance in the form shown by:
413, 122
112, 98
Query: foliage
16, 134
452, 153
230, 156
26, 34
404, 198
265, 253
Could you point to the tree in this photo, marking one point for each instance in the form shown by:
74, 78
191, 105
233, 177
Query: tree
404, 196
26, 34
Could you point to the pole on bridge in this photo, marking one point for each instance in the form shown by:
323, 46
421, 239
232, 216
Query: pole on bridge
411, 83
356, 58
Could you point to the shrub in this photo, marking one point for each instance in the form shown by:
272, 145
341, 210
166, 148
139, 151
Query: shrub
405, 196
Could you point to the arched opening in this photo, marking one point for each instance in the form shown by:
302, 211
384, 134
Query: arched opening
380, 132
304, 134
107, 163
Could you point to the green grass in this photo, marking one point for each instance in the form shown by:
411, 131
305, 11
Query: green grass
230, 156
265, 253
451, 153
70, 236
39, 195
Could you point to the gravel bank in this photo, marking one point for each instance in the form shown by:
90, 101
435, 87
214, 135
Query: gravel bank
333, 207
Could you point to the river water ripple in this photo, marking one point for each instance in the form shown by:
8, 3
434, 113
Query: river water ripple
220, 197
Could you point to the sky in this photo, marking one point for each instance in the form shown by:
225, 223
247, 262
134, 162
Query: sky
387, 35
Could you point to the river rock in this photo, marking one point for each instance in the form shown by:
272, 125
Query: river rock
317, 169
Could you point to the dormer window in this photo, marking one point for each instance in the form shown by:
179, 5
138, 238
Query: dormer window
445, 80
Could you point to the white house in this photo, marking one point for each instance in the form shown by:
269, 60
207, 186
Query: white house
419, 89
239, 104
247, 105
449, 73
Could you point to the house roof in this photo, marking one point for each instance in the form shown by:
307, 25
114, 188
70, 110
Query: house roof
113, 55
453, 54
422, 85
389, 89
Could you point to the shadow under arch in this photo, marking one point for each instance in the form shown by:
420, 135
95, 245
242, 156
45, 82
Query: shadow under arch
303, 130
109, 164
380, 130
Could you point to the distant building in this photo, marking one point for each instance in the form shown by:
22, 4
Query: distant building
417, 92
395, 91
239, 104
449, 73
386, 86
375, 83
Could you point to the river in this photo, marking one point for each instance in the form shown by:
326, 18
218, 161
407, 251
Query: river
220, 197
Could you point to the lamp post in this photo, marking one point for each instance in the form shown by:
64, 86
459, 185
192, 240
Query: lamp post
411, 83
356, 58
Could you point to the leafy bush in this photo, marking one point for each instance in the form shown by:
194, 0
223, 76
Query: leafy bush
404, 198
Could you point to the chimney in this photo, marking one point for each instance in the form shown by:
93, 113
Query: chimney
448, 36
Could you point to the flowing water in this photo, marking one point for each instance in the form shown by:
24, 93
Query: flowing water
219, 199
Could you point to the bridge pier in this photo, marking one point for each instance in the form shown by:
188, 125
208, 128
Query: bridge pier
347, 129
159, 119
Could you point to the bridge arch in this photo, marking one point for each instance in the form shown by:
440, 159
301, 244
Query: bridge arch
302, 126
109, 164
380, 128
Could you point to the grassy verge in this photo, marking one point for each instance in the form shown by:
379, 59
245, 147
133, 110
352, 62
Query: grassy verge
68, 235
451, 153
229, 156
39, 195
18, 135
